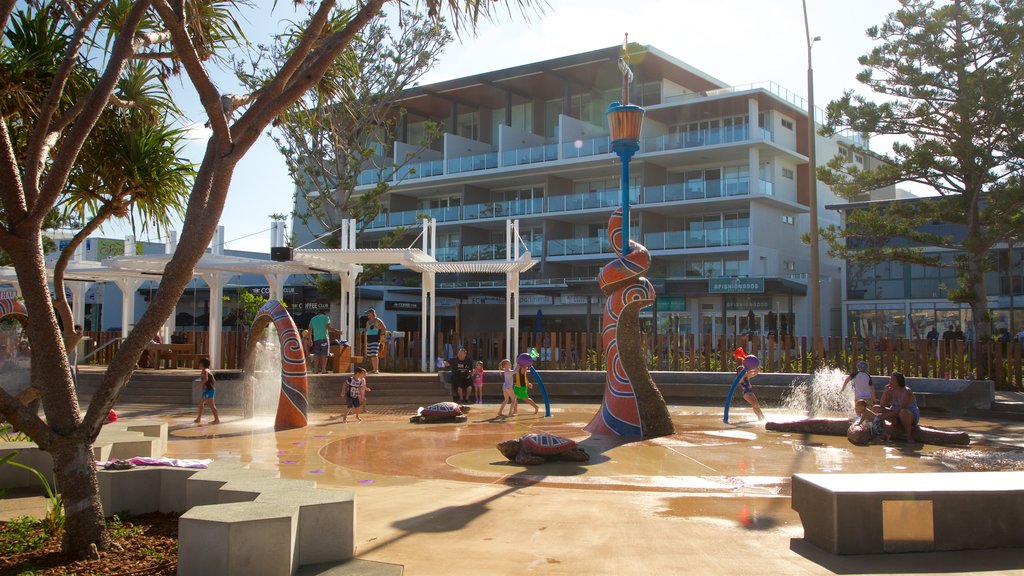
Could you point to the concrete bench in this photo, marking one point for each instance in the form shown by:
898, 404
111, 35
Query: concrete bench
879, 513
119, 440
241, 538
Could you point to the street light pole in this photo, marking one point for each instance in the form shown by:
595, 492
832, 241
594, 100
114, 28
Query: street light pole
814, 278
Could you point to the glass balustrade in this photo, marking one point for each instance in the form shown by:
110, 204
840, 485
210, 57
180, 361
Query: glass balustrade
677, 240
532, 155
506, 209
412, 217
581, 148
473, 163
447, 254
591, 200
767, 188
381, 221
578, 246
419, 170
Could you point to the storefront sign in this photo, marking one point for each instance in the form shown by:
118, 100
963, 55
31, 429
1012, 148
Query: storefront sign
573, 299
745, 303
534, 300
736, 285
403, 306
671, 304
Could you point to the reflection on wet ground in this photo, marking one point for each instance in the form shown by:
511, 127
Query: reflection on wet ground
703, 456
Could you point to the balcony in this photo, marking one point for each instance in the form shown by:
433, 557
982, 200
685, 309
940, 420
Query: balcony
578, 246
545, 153
478, 252
506, 209
447, 254
589, 147
412, 217
381, 221
591, 200
679, 240
485, 161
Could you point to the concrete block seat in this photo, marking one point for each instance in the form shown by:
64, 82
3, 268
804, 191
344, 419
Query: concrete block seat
248, 538
125, 439
878, 513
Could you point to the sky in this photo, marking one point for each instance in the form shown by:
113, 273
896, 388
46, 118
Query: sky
736, 41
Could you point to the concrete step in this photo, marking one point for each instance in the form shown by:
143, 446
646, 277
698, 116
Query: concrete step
1008, 406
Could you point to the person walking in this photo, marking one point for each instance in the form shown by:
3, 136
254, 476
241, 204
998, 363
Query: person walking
507, 392
209, 384
375, 330
354, 391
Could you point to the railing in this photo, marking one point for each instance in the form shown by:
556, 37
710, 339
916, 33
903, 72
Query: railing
696, 190
447, 254
519, 156
473, 163
738, 236
479, 252
591, 200
411, 217
506, 209
588, 147
419, 170
578, 246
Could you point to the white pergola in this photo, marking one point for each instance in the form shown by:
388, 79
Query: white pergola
422, 260
215, 269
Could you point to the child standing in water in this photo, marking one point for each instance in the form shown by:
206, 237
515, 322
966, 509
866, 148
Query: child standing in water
354, 391
508, 395
209, 384
863, 391
521, 387
748, 392
478, 381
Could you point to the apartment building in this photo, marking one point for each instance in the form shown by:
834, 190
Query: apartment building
718, 192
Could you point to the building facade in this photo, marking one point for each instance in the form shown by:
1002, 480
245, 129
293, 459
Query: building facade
719, 194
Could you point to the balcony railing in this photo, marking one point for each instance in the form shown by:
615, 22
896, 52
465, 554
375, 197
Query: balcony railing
591, 200
506, 209
419, 170
473, 163
739, 236
479, 252
578, 246
447, 254
411, 217
588, 147
545, 153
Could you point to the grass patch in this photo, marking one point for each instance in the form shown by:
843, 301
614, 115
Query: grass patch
119, 529
22, 535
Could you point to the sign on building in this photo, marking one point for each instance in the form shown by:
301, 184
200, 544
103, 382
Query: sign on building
736, 285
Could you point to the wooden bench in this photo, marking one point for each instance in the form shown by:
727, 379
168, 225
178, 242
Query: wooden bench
179, 356
342, 359
880, 513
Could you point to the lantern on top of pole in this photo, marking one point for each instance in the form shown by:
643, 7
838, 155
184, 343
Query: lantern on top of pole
624, 122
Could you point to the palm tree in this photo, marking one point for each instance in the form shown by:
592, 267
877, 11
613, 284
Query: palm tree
47, 134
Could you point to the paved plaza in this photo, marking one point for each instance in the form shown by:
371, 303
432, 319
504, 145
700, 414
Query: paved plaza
711, 499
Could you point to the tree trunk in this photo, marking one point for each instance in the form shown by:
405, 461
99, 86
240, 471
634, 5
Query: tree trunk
75, 474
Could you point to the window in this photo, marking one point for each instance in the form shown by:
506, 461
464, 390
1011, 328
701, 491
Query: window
858, 158
787, 173
787, 124
789, 265
845, 153
787, 220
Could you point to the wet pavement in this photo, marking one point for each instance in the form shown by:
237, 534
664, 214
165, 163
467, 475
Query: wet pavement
710, 499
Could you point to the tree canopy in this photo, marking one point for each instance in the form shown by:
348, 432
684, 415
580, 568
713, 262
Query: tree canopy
947, 80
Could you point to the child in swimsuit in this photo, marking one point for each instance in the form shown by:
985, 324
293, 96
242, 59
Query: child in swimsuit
507, 392
748, 391
478, 382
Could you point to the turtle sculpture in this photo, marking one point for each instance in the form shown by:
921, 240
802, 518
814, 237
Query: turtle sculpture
540, 447
441, 412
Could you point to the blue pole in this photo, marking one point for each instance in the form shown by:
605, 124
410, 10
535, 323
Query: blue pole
543, 392
624, 157
728, 399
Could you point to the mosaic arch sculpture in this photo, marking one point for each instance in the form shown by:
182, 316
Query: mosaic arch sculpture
632, 404
292, 406
14, 308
